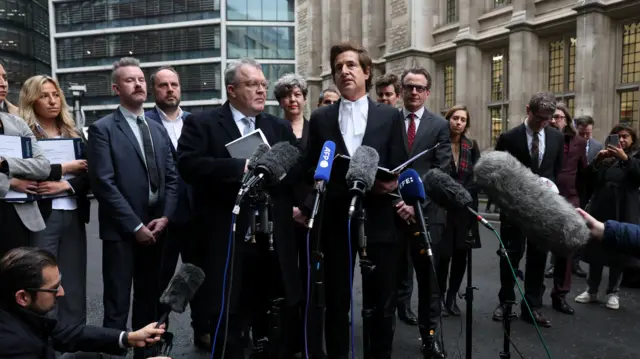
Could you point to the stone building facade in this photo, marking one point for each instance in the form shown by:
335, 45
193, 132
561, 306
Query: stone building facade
490, 55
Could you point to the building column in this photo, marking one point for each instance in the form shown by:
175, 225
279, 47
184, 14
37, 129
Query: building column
309, 48
468, 89
595, 59
351, 21
524, 66
373, 26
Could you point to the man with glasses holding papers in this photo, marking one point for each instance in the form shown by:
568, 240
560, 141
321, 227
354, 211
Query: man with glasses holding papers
22, 164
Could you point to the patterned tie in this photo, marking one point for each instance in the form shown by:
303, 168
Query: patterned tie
152, 167
248, 126
535, 153
411, 131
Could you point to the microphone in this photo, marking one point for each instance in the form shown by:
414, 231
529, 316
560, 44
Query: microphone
361, 174
546, 217
322, 175
450, 194
257, 153
412, 192
180, 290
273, 166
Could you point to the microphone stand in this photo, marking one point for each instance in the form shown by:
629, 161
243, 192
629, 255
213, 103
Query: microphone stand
366, 268
268, 347
468, 297
506, 323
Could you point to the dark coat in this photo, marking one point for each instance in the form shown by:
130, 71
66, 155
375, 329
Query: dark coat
615, 196
26, 335
205, 163
572, 177
461, 225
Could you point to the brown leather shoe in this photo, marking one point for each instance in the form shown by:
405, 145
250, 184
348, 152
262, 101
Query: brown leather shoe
538, 317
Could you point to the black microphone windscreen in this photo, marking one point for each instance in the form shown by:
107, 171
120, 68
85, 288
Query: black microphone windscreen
257, 154
277, 162
544, 217
182, 287
446, 191
363, 166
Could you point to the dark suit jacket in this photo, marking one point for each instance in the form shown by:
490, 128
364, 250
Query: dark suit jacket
384, 134
433, 129
572, 177
184, 204
26, 335
205, 163
594, 148
119, 176
515, 142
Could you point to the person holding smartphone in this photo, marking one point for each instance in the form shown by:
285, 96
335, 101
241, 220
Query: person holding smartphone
613, 179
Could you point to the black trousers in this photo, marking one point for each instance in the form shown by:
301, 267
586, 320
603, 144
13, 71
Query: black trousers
517, 245
13, 233
452, 266
260, 281
405, 281
428, 291
180, 242
124, 262
379, 294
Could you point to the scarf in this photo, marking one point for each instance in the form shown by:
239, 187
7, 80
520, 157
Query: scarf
465, 161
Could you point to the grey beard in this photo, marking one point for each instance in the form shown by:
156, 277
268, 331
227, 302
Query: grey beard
165, 106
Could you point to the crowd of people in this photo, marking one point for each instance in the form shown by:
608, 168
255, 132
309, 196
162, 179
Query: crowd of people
166, 184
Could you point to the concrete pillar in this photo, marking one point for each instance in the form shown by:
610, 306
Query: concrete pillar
468, 13
351, 21
373, 26
422, 14
524, 70
595, 65
468, 79
398, 27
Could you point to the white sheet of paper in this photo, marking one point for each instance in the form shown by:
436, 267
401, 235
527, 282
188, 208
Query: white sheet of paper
10, 146
57, 152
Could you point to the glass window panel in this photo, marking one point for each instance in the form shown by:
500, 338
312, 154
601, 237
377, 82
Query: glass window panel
500, 3
631, 53
498, 120
449, 83
198, 82
92, 14
236, 9
273, 72
179, 44
571, 104
254, 10
260, 42
556, 66
572, 64
630, 107
274, 110
285, 10
498, 77
452, 14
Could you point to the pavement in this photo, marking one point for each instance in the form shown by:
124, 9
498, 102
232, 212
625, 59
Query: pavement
594, 332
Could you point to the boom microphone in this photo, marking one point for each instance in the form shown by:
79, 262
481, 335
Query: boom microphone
271, 168
450, 194
322, 175
255, 156
546, 217
412, 192
180, 290
361, 174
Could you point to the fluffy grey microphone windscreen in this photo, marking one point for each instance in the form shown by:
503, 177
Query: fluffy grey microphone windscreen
278, 161
257, 154
182, 287
545, 217
445, 191
363, 166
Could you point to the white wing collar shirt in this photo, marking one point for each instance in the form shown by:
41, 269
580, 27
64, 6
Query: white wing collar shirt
353, 122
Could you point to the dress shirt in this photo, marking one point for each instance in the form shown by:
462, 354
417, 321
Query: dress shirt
174, 127
407, 120
133, 123
353, 122
588, 144
238, 117
541, 143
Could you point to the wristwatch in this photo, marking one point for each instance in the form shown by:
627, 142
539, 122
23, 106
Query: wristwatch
4, 166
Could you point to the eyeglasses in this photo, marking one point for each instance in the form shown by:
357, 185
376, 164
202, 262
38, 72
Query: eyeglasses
559, 117
254, 85
47, 290
418, 88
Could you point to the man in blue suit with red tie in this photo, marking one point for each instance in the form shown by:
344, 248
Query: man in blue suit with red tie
165, 83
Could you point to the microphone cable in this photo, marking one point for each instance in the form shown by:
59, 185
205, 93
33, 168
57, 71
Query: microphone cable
524, 300
224, 306
351, 274
308, 299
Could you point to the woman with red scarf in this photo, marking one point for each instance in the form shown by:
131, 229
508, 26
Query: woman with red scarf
461, 231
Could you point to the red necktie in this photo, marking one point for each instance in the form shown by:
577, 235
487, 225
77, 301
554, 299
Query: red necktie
411, 131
